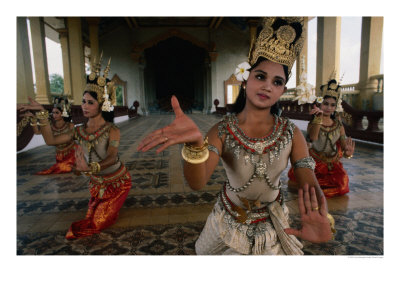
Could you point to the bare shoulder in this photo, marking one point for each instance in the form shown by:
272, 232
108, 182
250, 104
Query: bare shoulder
114, 128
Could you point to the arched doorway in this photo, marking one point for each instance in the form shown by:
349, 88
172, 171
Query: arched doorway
175, 67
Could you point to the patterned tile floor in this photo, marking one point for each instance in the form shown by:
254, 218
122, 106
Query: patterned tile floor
162, 215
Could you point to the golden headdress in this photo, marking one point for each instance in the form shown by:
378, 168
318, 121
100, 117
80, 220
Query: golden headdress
104, 88
63, 105
332, 88
280, 41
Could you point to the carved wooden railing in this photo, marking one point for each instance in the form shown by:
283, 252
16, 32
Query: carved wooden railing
352, 119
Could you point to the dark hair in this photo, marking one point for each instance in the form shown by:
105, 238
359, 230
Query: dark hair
240, 102
108, 116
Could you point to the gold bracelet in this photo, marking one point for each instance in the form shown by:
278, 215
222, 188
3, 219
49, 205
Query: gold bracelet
195, 155
42, 115
332, 223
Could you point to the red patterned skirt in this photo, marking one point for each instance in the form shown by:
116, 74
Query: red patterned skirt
331, 175
65, 160
108, 194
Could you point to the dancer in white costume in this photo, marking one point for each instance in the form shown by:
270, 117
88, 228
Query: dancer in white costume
255, 144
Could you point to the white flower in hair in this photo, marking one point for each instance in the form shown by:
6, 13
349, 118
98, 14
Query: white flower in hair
319, 100
242, 71
339, 107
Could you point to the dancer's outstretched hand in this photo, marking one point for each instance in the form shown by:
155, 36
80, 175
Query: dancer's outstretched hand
32, 105
181, 130
314, 221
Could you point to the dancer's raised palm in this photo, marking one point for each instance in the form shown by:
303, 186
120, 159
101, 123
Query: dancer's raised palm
181, 130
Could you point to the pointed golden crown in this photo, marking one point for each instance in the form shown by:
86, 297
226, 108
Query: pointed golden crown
332, 88
278, 41
95, 82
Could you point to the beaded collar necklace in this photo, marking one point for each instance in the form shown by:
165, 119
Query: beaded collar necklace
255, 148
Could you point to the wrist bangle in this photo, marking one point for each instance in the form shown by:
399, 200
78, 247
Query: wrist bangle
332, 224
42, 115
95, 167
195, 155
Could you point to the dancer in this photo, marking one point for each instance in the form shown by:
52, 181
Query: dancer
255, 144
96, 155
328, 142
61, 124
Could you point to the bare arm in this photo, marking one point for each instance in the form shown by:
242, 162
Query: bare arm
303, 175
315, 225
314, 127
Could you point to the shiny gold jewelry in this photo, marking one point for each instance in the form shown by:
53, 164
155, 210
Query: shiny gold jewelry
195, 155
278, 45
348, 157
42, 115
95, 167
315, 208
332, 223
106, 91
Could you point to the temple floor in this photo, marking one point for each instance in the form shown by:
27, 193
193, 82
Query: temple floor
162, 215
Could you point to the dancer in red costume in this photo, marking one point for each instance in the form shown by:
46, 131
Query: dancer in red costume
61, 124
96, 155
328, 142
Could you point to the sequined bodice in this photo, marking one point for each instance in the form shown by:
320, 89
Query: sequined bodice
95, 145
254, 165
327, 138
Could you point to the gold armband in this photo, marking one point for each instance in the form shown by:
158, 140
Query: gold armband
195, 155
332, 222
114, 143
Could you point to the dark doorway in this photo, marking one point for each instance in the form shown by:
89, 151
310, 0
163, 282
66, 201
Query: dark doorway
175, 67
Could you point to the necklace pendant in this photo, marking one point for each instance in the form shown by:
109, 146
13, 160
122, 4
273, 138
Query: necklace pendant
259, 147
261, 169
246, 159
